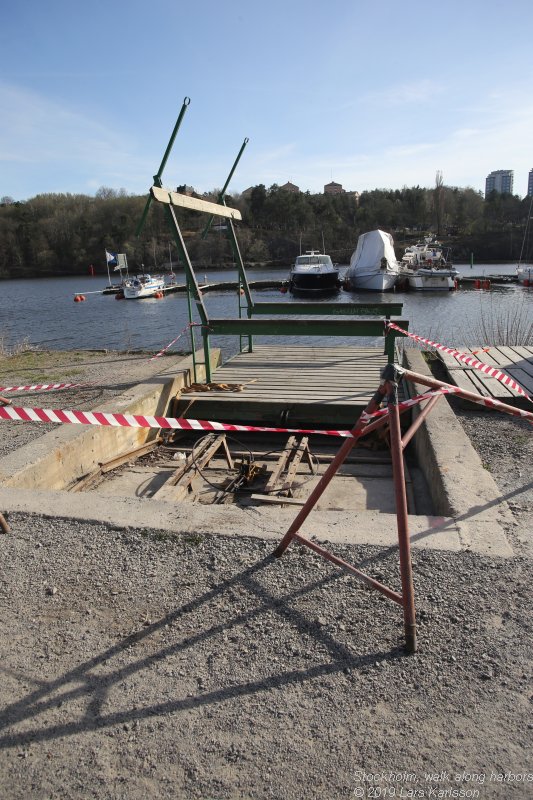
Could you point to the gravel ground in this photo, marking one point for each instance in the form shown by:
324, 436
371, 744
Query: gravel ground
136, 664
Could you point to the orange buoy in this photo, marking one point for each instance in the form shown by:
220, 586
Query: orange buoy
82, 297
77, 298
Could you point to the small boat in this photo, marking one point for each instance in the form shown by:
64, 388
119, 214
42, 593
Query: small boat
373, 265
425, 266
143, 286
524, 271
314, 273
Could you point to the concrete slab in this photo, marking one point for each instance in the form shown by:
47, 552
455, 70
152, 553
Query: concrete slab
342, 527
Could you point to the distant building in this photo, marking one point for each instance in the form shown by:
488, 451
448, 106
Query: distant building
333, 188
501, 181
184, 189
530, 184
290, 187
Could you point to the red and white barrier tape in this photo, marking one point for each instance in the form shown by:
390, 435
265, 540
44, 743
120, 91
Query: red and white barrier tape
106, 418
482, 401
109, 419
186, 328
492, 372
43, 387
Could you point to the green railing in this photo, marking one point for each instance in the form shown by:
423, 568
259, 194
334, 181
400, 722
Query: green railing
253, 320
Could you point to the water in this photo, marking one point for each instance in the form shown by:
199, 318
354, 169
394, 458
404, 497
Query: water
42, 312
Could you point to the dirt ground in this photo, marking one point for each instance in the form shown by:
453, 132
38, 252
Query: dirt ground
138, 664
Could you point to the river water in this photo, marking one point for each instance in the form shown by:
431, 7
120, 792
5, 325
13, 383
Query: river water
42, 312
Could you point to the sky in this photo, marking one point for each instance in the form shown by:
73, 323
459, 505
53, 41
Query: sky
368, 94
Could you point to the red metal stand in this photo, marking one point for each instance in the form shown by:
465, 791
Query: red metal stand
388, 389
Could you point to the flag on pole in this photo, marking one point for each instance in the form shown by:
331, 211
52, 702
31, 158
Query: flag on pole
111, 258
121, 262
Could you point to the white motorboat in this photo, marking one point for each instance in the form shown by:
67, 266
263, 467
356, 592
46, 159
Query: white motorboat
425, 266
524, 273
314, 273
524, 269
143, 286
373, 265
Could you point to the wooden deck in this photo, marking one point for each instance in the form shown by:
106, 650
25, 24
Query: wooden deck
514, 361
291, 386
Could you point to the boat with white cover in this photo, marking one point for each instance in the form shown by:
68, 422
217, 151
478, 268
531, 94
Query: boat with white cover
314, 273
373, 265
143, 286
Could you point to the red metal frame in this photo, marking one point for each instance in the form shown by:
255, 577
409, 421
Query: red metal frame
388, 388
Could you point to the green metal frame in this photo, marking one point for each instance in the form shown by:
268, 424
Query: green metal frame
247, 327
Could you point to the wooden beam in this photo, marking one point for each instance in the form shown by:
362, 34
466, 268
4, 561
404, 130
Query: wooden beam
194, 203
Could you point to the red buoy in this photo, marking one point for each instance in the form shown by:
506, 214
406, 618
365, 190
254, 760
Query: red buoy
283, 290
77, 298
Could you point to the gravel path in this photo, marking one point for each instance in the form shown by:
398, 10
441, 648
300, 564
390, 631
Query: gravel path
136, 664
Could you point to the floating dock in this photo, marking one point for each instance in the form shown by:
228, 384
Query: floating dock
514, 361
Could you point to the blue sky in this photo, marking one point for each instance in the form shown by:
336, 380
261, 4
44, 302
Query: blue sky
372, 95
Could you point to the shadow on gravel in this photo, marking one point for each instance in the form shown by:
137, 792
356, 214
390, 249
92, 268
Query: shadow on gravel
94, 688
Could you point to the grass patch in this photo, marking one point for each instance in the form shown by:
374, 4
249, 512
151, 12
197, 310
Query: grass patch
36, 366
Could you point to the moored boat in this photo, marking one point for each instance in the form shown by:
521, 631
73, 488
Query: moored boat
524, 269
314, 273
524, 273
143, 286
425, 266
373, 265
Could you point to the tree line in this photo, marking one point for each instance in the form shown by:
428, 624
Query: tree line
66, 234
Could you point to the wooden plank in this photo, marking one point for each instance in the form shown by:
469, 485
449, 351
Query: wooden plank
276, 500
464, 379
280, 466
193, 203
524, 379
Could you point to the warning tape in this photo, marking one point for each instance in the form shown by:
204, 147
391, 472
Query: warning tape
109, 419
186, 328
482, 401
106, 418
43, 387
470, 360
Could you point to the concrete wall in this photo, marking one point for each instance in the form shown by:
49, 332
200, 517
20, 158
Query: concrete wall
55, 460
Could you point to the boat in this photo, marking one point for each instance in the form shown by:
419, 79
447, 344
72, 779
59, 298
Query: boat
524, 271
425, 266
373, 265
314, 273
143, 286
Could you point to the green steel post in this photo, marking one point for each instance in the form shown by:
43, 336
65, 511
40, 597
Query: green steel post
223, 190
193, 342
159, 173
